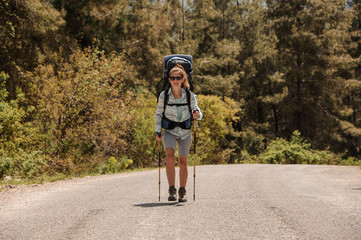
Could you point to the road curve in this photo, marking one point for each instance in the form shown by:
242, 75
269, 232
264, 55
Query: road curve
232, 202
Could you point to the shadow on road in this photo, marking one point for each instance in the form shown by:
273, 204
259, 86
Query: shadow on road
158, 204
357, 189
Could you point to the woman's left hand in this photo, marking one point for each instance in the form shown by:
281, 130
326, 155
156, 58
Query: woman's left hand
195, 114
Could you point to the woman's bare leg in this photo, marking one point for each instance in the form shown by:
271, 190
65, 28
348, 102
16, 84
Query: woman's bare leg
170, 169
183, 171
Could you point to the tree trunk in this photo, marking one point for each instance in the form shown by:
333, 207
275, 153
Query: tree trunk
298, 94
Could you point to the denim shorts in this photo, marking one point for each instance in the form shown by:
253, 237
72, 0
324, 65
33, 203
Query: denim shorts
170, 140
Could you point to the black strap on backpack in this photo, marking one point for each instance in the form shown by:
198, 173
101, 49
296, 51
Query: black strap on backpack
166, 99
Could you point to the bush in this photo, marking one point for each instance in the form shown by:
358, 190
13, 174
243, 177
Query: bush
5, 166
21, 164
213, 146
31, 164
295, 151
18, 140
82, 109
350, 161
114, 165
141, 140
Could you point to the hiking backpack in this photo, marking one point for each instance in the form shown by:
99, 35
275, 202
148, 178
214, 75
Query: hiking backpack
169, 62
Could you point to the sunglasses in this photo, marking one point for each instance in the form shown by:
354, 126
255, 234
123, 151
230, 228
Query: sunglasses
175, 78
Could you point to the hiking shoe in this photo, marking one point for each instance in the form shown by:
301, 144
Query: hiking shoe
172, 193
182, 195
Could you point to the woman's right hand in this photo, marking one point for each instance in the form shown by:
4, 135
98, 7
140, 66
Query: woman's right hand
158, 137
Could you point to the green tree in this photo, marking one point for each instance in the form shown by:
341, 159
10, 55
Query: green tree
147, 40
312, 50
352, 90
96, 22
215, 48
262, 83
29, 32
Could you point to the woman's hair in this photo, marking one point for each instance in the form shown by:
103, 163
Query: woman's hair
179, 69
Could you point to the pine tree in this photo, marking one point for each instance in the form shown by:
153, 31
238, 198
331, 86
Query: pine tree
312, 36
352, 91
216, 47
29, 33
262, 85
147, 39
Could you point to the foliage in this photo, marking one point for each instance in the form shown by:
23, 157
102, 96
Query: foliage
216, 129
141, 139
18, 156
250, 142
295, 151
81, 106
29, 32
262, 84
76, 78
114, 165
350, 161
313, 38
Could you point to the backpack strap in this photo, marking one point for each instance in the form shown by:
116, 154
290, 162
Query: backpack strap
166, 99
177, 104
189, 102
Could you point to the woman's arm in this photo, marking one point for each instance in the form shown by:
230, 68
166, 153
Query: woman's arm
159, 113
194, 106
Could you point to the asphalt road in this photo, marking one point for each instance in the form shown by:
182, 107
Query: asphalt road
232, 202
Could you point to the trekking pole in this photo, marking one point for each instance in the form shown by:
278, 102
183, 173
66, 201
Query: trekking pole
194, 160
159, 171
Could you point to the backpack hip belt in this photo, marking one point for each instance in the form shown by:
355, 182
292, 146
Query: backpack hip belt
170, 125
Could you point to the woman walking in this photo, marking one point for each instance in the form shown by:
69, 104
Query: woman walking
175, 115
